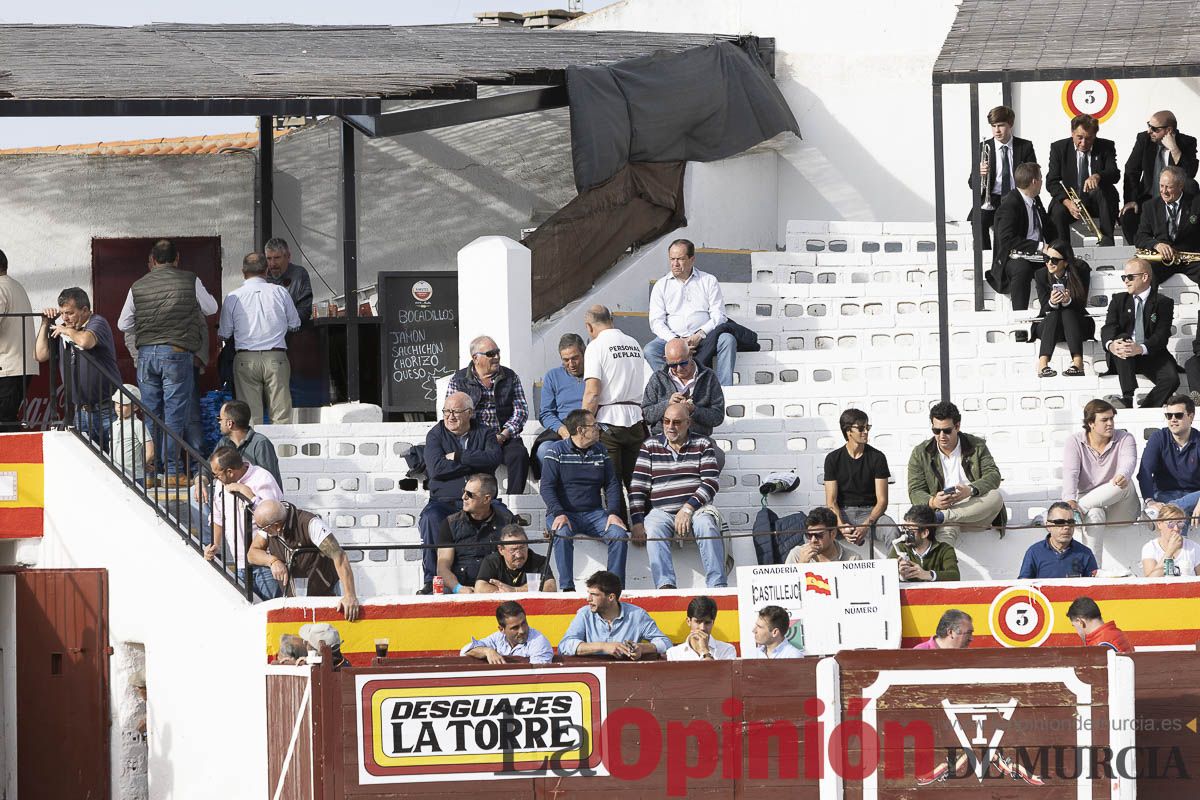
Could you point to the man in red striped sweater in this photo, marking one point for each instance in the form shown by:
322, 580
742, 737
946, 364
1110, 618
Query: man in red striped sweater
675, 476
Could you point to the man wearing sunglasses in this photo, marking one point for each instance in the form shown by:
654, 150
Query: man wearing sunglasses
1135, 335
955, 475
1170, 468
1161, 145
469, 536
1059, 555
820, 541
683, 380
500, 404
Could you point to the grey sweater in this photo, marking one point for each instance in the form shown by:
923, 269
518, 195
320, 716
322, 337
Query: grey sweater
706, 393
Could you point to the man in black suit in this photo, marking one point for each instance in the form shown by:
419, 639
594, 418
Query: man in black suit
1022, 226
1137, 342
1171, 223
1161, 145
1005, 153
1089, 166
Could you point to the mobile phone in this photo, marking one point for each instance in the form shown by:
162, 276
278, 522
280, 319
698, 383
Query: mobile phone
1057, 287
949, 490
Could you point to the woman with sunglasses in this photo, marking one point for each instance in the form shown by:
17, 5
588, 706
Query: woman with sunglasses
1062, 289
1170, 543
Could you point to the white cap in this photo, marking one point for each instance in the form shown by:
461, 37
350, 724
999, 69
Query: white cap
130, 390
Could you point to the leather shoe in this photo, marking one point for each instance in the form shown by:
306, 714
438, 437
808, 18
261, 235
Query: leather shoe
426, 589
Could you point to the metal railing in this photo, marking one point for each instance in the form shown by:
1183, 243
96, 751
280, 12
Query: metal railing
132, 443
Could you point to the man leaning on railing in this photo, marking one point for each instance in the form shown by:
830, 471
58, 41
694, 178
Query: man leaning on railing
17, 362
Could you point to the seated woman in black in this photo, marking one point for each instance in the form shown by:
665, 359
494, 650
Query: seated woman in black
1062, 290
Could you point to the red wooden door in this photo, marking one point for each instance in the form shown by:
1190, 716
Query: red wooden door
117, 263
62, 684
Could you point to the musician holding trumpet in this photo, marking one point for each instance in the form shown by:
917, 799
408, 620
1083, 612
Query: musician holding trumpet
999, 157
1087, 165
1169, 231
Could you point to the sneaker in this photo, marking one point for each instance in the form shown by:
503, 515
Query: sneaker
1119, 402
1152, 510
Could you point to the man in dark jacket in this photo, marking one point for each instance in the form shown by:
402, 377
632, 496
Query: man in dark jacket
1088, 165
1023, 228
955, 475
1135, 335
455, 448
1171, 225
500, 404
684, 381
575, 471
468, 536
1160, 146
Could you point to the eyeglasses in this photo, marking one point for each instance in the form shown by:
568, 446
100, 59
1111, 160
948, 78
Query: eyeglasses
1175, 524
488, 353
1055, 260
1155, 128
1060, 523
679, 364
942, 431
586, 427
860, 428
467, 493
1129, 276
1174, 414
814, 534
455, 412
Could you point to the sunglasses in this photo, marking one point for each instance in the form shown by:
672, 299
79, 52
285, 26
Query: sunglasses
1155, 128
1175, 414
860, 428
678, 364
488, 353
942, 431
1060, 523
814, 534
1055, 260
467, 493
1175, 524
1131, 276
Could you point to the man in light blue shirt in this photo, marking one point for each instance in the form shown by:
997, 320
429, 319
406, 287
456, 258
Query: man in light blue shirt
514, 638
562, 393
770, 634
606, 626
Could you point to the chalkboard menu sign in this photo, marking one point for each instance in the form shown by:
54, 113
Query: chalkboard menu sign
419, 338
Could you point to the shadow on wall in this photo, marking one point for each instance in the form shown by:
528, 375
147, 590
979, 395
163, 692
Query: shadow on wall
846, 182
423, 196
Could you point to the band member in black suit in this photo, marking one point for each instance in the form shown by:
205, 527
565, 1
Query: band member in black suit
1170, 224
1022, 226
1089, 166
1160, 145
1062, 289
1137, 343
1005, 153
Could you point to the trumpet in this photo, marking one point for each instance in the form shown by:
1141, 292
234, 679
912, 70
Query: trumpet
985, 184
1073, 196
1180, 257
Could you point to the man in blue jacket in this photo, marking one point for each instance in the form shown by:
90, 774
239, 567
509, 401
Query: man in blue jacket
455, 448
574, 472
1170, 469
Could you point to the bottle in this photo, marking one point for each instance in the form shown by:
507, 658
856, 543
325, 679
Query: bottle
439, 584
1169, 568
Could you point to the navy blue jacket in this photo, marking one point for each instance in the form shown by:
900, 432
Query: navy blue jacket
1167, 468
572, 480
447, 477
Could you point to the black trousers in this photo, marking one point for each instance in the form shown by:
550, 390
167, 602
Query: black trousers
1163, 271
12, 394
1158, 366
1019, 274
516, 460
1102, 203
1130, 221
1062, 325
1192, 368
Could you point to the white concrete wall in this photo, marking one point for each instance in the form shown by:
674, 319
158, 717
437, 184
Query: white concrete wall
204, 643
53, 206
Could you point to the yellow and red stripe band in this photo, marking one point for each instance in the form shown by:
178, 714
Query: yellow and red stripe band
21, 464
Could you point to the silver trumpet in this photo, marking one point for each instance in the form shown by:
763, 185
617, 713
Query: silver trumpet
985, 184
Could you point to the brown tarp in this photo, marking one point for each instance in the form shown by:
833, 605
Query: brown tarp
577, 245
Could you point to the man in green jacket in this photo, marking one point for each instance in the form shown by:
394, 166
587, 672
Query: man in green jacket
955, 475
921, 557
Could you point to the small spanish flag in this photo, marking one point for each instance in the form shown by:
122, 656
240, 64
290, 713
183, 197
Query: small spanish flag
22, 485
815, 583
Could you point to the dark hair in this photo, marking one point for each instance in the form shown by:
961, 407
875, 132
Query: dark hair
571, 340
227, 457
277, 245
1093, 408
702, 607
821, 516
687, 243
1062, 505
254, 264
76, 295
1074, 284
164, 252
3, 262
487, 483
849, 418
513, 531
924, 517
606, 582
1084, 608
508, 610
1001, 114
1087, 122
950, 622
776, 618
945, 410
575, 420
1181, 400
238, 412
1025, 174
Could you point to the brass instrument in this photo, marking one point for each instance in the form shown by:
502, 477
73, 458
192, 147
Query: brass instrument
985, 184
1180, 257
1036, 258
1073, 196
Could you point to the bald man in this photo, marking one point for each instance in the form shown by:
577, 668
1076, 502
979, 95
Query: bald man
281, 528
683, 380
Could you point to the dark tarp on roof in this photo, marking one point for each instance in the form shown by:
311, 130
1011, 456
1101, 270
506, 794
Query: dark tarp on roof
1052, 40
703, 104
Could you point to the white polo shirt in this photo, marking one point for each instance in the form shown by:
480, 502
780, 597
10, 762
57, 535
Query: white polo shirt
721, 651
616, 359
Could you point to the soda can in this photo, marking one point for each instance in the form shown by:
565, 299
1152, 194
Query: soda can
1169, 568
439, 584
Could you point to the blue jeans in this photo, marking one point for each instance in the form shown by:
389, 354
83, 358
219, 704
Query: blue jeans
167, 383
542, 448
429, 524
265, 585
661, 525
96, 422
723, 365
587, 523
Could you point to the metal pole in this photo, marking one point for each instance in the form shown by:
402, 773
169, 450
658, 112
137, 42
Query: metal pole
350, 261
1006, 93
266, 179
939, 210
976, 211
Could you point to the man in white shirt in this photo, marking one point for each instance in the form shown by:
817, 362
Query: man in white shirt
614, 374
687, 304
256, 319
699, 645
770, 635
513, 639
17, 362
239, 479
